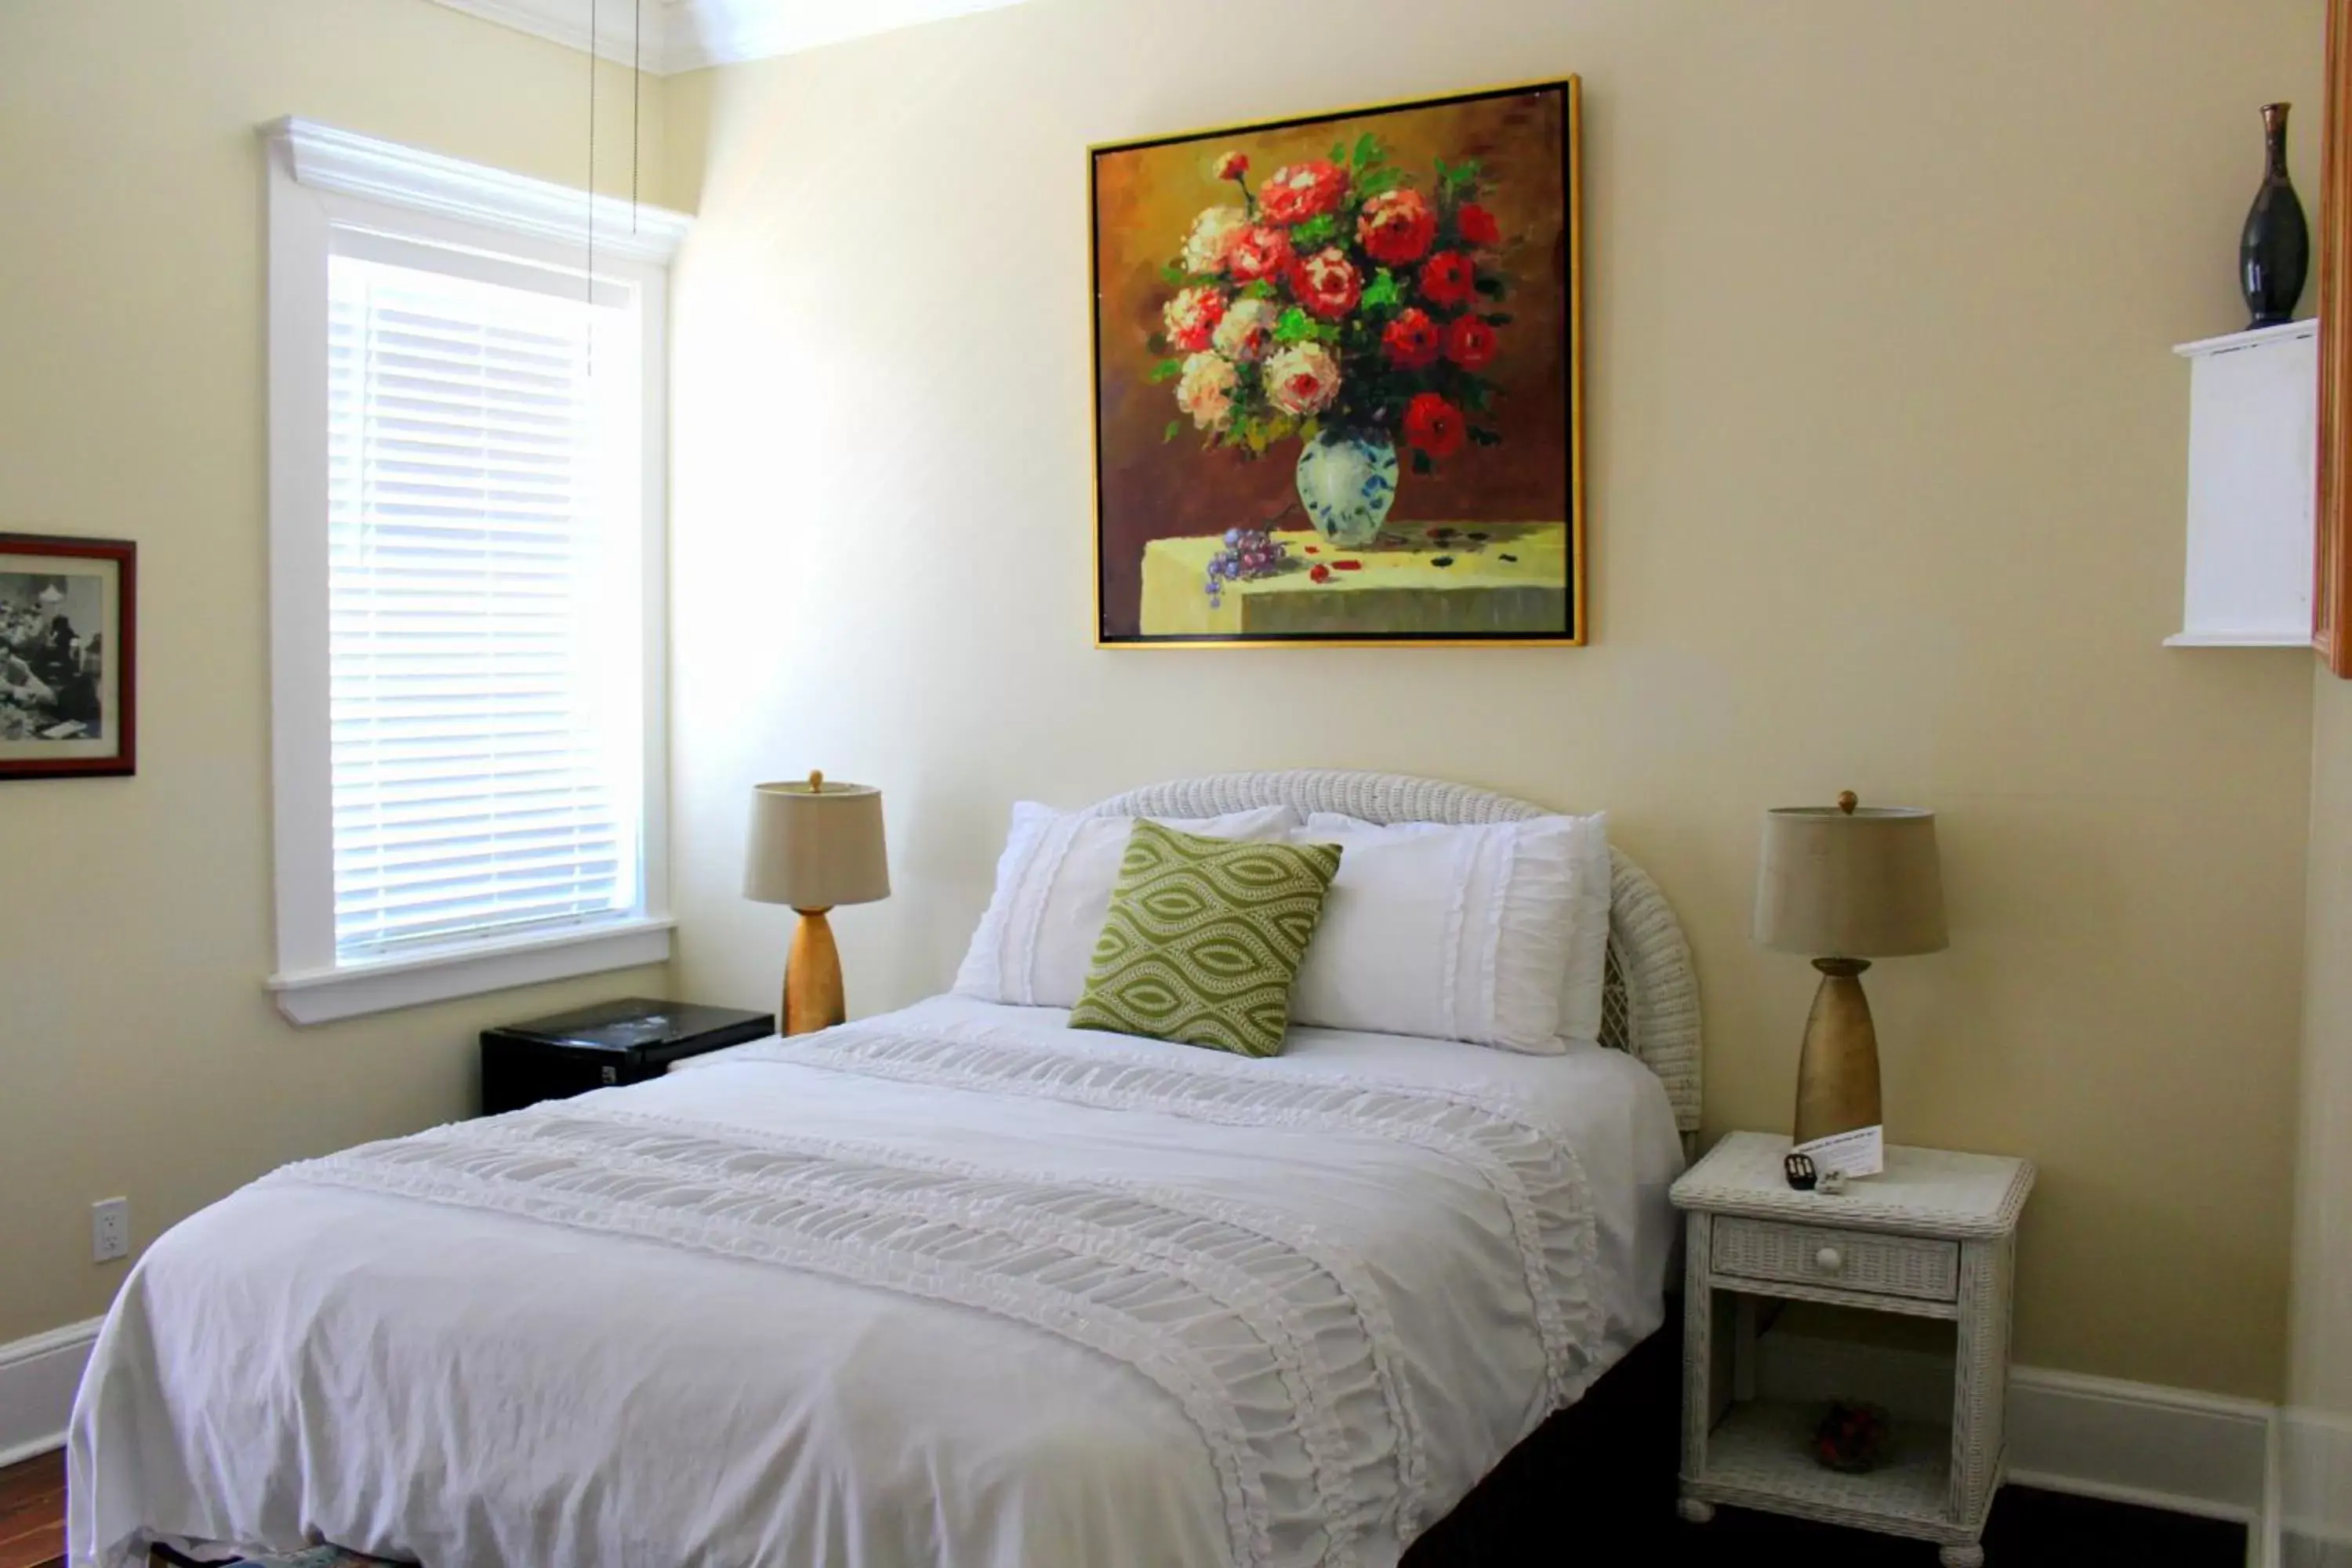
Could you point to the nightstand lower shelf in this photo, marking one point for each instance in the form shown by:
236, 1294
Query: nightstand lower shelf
1760, 1456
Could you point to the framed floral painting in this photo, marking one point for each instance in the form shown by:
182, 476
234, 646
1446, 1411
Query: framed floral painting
1338, 378
68, 697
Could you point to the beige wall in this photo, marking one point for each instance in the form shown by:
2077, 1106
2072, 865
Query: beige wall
2317, 1476
1887, 488
138, 1053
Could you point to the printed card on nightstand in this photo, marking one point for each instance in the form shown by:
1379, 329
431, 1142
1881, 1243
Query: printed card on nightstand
1861, 1153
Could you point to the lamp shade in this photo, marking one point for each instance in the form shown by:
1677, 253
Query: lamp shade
815, 845
1858, 884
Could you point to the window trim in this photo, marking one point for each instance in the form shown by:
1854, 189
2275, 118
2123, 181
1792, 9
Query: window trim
319, 177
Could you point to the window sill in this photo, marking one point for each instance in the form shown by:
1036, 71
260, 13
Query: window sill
378, 985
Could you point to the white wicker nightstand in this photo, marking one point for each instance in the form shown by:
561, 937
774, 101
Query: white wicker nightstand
1933, 1237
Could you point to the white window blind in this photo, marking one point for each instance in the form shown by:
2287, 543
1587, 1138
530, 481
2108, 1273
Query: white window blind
486, 522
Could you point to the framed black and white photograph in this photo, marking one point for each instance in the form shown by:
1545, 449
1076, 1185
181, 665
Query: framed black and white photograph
67, 640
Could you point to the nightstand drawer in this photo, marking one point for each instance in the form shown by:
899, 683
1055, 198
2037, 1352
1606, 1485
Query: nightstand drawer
1841, 1259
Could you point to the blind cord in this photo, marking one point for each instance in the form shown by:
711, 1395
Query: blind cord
591, 152
636, 97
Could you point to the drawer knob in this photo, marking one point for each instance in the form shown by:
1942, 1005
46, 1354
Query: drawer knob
1829, 1260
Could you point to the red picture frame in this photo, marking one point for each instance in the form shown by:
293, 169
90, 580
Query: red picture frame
68, 656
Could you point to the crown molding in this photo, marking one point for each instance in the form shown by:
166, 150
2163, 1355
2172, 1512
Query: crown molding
689, 35
726, 32
326, 159
565, 22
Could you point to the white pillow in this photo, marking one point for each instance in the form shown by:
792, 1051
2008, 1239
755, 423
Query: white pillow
1052, 892
1497, 934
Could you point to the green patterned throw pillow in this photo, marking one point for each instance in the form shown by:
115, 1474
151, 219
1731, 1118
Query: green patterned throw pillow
1203, 938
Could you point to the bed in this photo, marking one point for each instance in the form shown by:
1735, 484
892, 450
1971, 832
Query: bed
956, 1286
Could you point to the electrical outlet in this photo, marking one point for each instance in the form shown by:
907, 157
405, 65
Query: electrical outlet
110, 1230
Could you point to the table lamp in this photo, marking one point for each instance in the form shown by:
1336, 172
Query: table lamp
1846, 884
815, 846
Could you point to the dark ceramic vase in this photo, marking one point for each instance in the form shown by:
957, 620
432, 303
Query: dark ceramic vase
2274, 249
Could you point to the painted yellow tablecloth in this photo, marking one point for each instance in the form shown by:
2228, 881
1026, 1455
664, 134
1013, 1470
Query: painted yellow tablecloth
1461, 579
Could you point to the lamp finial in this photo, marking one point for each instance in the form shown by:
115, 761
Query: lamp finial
816, 783
1847, 801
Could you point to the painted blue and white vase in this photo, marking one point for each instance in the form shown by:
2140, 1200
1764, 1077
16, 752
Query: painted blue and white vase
1347, 483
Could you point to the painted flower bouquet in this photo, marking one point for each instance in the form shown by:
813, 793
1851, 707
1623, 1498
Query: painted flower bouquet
1340, 303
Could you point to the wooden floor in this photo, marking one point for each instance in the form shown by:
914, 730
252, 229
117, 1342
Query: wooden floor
2029, 1530
33, 1513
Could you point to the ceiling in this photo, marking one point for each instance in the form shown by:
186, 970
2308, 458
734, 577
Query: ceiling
685, 35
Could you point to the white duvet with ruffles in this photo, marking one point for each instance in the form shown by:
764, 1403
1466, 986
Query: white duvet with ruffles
958, 1286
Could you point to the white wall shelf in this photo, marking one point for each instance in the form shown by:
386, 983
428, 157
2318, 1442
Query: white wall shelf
2253, 434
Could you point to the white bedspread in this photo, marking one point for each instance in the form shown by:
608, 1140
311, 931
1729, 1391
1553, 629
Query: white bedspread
959, 1286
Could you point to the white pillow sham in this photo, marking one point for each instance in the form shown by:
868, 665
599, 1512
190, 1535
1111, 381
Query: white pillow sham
1052, 892
1496, 933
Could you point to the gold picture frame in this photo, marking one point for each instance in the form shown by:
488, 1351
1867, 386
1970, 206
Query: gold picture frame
1384, 285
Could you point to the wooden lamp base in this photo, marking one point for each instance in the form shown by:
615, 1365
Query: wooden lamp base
813, 998
1837, 1076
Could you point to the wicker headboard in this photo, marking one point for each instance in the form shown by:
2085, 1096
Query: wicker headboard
1651, 1002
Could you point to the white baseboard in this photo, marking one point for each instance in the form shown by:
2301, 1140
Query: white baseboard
2136, 1442
2316, 1488
2172, 1448
38, 1380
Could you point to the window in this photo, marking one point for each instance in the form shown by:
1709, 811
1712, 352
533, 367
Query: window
466, 551
483, 640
